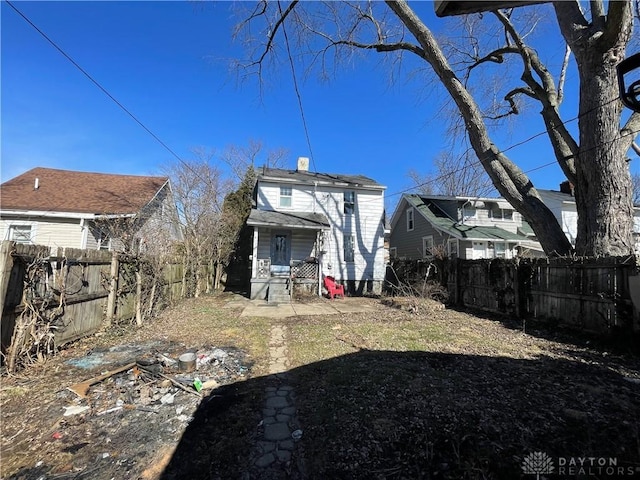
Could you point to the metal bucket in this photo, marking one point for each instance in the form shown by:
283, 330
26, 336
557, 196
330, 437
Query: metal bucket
187, 362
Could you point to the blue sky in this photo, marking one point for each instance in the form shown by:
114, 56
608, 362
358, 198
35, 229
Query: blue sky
168, 63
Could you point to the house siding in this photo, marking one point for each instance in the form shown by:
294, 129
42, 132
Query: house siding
408, 244
365, 224
60, 232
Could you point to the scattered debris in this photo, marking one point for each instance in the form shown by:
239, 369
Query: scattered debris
82, 388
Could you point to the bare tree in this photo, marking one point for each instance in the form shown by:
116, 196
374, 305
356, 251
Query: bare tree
199, 187
213, 195
635, 180
328, 33
454, 176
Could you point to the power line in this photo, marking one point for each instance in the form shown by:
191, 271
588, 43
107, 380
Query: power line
518, 144
95, 82
295, 86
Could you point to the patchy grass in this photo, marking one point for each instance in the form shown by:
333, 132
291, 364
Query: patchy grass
408, 391
423, 392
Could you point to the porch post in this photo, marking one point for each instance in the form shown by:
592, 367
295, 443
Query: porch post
319, 255
254, 257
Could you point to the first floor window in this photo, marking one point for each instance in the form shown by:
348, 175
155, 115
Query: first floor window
285, 196
499, 249
20, 233
453, 247
349, 248
427, 246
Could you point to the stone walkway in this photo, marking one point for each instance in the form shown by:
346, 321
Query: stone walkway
275, 455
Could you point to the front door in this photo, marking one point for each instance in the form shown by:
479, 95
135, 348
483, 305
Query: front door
280, 253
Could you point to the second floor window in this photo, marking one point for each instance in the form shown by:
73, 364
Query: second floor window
500, 214
349, 203
285, 196
410, 220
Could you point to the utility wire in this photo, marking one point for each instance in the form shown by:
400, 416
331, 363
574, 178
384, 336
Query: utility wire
95, 82
295, 86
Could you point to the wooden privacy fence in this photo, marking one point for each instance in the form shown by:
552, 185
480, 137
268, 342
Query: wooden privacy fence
596, 295
49, 299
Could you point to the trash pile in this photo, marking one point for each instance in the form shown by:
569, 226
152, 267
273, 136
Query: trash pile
143, 395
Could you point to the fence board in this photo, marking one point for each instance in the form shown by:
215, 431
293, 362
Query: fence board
588, 294
82, 277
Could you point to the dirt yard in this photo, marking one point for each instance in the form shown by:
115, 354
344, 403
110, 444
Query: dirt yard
412, 391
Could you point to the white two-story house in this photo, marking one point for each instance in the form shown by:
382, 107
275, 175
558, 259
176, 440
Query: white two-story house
307, 225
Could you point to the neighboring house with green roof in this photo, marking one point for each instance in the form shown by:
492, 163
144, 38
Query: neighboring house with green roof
466, 227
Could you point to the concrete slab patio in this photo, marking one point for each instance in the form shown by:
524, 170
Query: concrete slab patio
260, 308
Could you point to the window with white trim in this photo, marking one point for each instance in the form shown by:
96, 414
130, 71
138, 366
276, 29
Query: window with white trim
499, 249
349, 203
453, 247
410, 220
427, 246
497, 213
285, 196
349, 248
20, 233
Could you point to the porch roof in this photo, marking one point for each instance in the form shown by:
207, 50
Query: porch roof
266, 218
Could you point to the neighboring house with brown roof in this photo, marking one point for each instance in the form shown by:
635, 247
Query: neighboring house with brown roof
63, 208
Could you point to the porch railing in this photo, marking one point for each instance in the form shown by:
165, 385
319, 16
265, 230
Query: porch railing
304, 269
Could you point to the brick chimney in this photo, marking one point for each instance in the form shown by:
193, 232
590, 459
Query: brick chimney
303, 164
567, 187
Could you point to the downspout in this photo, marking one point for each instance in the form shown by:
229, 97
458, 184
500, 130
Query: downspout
462, 211
315, 195
85, 232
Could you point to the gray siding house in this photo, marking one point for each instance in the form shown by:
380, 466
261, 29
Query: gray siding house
464, 227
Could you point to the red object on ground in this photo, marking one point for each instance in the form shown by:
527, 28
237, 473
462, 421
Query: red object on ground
332, 287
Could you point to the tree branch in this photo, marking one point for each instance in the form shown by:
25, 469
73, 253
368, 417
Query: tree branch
563, 73
564, 146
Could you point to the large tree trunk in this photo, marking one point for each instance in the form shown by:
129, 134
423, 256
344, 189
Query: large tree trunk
603, 187
512, 183
603, 190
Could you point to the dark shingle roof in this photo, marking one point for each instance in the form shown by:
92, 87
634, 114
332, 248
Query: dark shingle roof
79, 192
287, 219
311, 177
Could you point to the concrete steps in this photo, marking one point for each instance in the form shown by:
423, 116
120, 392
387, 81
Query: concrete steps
279, 291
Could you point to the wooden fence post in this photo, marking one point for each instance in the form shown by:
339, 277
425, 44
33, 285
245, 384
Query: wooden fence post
113, 288
516, 287
6, 265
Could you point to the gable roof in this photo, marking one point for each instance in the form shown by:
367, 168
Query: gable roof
310, 178
79, 192
434, 215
